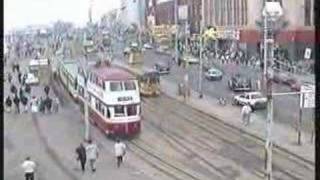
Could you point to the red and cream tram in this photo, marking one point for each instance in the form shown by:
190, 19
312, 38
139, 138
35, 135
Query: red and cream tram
114, 100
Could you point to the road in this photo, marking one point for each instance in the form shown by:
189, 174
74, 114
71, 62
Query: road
286, 108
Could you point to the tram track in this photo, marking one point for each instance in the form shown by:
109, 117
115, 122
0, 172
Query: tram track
231, 137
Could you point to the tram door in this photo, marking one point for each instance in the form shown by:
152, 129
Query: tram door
126, 124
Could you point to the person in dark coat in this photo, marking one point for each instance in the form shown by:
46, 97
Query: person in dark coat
13, 89
16, 101
41, 105
24, 78
24, 102
19, 77
18, 67
47, 90
27, 89
9, 77
21, 93
81, 156
8, 104
48, 103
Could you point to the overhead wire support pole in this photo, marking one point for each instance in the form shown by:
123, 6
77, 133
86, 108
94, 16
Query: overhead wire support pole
201, 49
176, 30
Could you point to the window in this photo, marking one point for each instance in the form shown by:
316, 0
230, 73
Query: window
108, 112
307, 12
132, 110
230, 12
129, 85
119, 111
116, 86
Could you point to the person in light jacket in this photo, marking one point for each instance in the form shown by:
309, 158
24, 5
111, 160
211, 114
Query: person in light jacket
92, 154
120, 151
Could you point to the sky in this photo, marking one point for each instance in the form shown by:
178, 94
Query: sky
20, 13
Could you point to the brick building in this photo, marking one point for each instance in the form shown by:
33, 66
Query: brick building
245, 16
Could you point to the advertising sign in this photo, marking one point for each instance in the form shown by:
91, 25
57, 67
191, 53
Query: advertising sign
183, 12
307, 53
307, 96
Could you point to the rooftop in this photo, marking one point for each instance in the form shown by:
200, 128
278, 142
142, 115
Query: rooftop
107, 73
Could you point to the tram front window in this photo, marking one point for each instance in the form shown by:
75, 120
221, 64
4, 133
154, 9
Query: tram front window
132, 110
115, 86
129, 85
119, 111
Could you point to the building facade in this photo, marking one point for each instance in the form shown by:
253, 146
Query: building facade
245, 16
133, 12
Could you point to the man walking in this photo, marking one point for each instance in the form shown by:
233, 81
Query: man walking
46, 90
82, 157
28, 167
16, 101
120, 151
245, 113
92, 154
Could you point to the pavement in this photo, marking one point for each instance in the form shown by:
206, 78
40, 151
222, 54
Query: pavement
50, 140
284, 137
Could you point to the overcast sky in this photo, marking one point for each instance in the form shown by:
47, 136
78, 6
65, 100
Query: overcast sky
19, 13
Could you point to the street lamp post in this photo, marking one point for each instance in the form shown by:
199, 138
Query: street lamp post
271, 12
86, 103
201, 49
176, 29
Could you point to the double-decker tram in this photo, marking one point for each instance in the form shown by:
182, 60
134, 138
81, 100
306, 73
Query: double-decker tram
113, 99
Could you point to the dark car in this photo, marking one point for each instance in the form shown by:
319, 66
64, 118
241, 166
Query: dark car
240, 83
162, 68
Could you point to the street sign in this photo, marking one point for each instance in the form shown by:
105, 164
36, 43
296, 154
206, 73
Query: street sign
307, 53
307, 96
183, 12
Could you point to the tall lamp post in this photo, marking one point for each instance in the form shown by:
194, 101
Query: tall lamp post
176, 30
201, 49
271, 12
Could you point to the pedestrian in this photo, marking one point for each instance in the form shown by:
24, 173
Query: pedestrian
29, 167
48, 103
13, 89
47, 90
41, 104
120, 151
9, 77
56, 104
24, 78
27, 89
18, 67
24, 102
245, 113
33, 104
19, 77
92, 154
8, 104
16, 101
21, 92
81, 156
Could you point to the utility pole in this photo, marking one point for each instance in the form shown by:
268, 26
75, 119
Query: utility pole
140, 23
201, 49
268, 57
176, 33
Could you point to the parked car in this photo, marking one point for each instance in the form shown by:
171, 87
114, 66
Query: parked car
240, 83
162, 67
162, 49
147, 46
32, 79
254, 99
190, 59
213, 74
